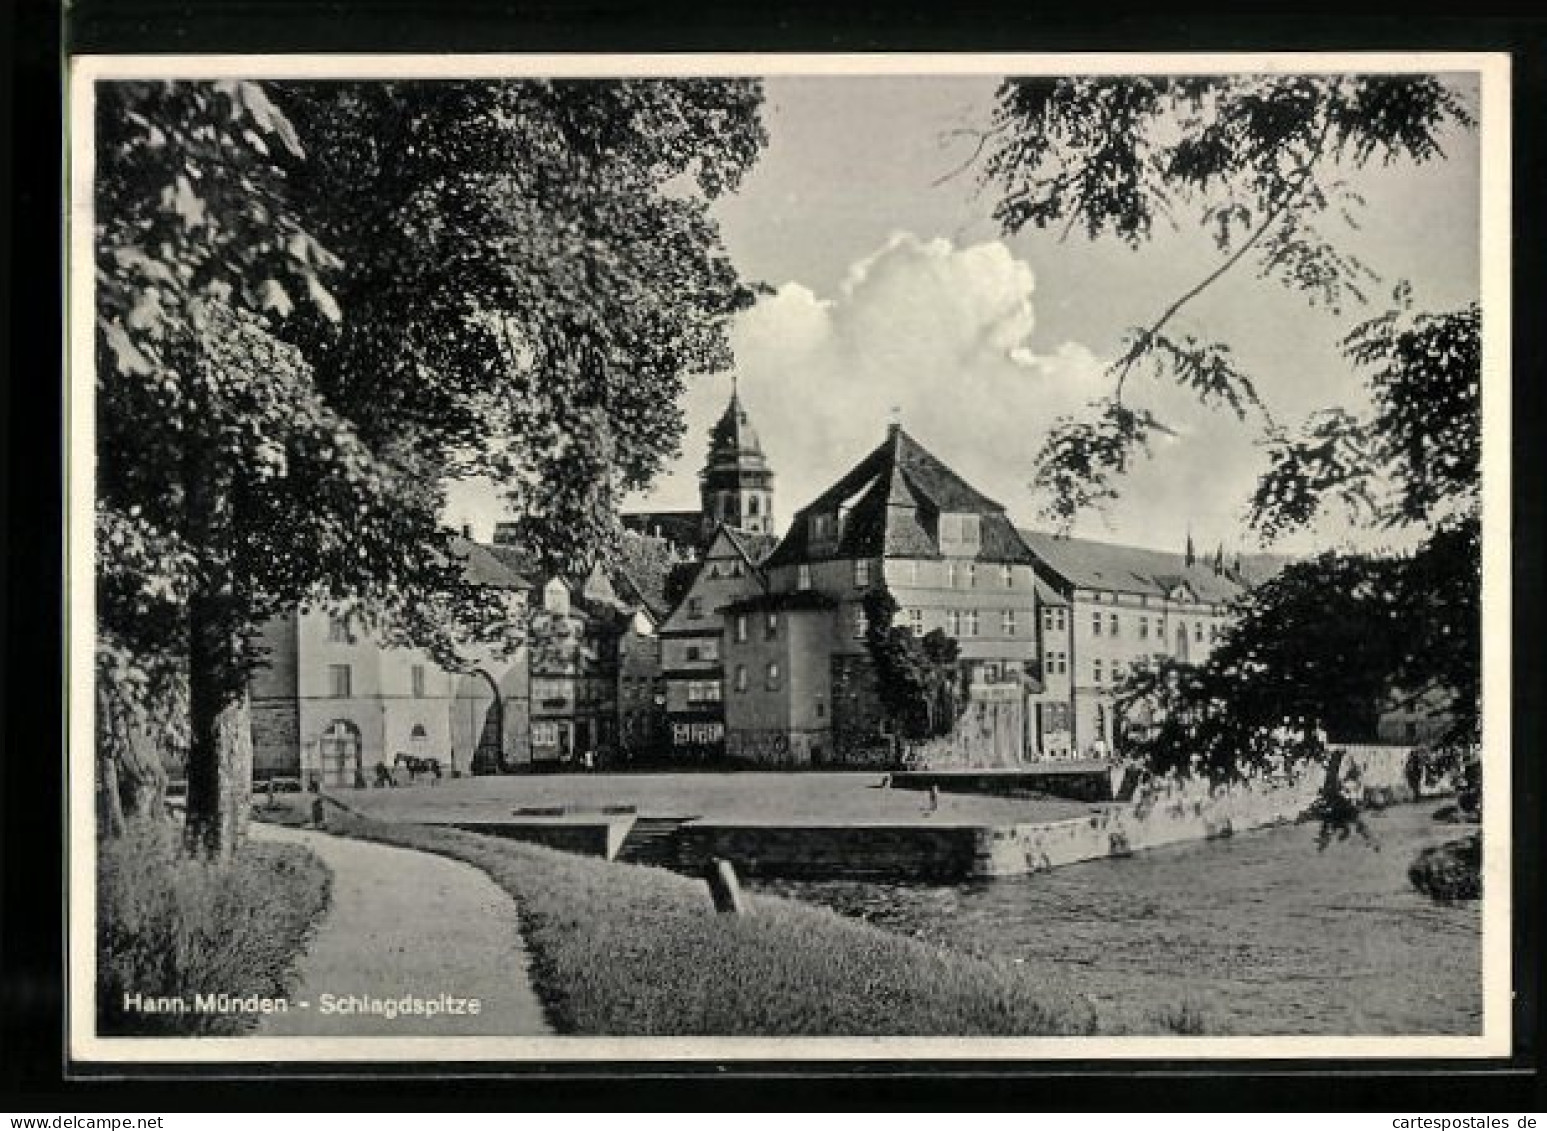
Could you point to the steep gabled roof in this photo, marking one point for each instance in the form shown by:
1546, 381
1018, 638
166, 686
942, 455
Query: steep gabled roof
754, 547
488, 565
681, 527
1086, 564
894, 495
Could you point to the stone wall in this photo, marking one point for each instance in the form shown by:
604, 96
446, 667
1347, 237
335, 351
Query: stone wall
989, 735
590, 836
870, 851
1170, 813
779, 749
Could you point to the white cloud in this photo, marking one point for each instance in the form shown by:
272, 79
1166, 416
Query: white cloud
944, 336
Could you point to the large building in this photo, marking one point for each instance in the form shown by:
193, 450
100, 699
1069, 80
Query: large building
583, 688
331, 704
1123, 608
903, 521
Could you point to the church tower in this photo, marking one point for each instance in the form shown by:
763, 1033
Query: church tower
736, 485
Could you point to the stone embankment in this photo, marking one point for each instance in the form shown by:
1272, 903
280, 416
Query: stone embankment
1162, 812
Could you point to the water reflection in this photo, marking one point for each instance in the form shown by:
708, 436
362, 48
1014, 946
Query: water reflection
1262, 932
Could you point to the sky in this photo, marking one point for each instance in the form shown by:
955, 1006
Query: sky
893, 292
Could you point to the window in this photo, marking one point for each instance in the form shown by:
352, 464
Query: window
1007, 622
771, 627
803, 576
1144, 628
741, 628
916, 621
1095, 624
1059, 616
950, 575
709, 651
953, 622
1112, 624
555, 691
821, 527
969, 575
419, 739
859, 624
338, 681
1197, 632
741, 677
338, 631
988, 673
704, 691
960, 529
545, 734
752, 504
969, 622
416, 678
695, 608
861, 573
821, 709
694, 654
772, 682
1007, 576
1095, 668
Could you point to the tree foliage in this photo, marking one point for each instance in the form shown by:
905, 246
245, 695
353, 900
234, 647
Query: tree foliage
318, 303
919, 678
1416, 457
1259, 161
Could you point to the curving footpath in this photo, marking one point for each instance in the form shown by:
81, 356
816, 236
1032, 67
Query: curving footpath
407, 923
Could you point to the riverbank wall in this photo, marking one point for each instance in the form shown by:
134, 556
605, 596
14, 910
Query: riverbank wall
1162, 813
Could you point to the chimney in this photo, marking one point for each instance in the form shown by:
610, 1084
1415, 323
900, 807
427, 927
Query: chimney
467, 531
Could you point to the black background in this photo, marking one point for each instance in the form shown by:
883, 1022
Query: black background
32, 681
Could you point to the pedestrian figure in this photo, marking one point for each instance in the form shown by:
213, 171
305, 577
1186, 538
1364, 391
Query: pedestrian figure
934, 799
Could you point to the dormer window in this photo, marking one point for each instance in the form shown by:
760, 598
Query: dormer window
824, 530
556, 597
960, 533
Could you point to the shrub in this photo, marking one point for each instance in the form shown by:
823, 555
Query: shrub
172, 925
1449, 871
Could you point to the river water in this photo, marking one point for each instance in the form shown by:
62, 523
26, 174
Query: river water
1261, 932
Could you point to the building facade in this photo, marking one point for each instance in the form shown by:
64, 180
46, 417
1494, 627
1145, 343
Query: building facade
1127, 608
902, 521
333, 704
691, 645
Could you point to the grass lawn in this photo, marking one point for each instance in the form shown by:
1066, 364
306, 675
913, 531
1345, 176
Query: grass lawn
172, 926
790, 798
619, 950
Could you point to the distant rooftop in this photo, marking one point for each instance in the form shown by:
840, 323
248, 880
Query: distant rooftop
1087, 564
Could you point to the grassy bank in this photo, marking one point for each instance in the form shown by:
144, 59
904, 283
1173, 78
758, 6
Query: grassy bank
624, 951
171, 926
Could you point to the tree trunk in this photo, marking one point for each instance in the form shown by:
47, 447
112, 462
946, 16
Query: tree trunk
219, 738
131, 773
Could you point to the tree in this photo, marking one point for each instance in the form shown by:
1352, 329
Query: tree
919, 678
316, 304
1258, 160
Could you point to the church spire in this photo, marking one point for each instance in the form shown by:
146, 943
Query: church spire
1192, 554
736, 484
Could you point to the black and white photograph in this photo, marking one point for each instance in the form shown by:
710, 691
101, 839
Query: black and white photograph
703, 557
